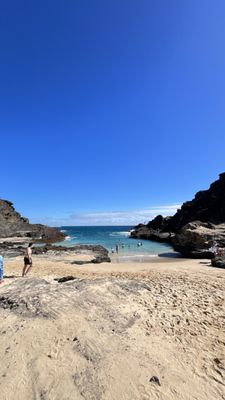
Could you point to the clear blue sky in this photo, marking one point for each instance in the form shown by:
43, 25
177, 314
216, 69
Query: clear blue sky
110, 106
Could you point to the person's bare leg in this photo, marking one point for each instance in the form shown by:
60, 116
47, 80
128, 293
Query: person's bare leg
24, 270
28, 268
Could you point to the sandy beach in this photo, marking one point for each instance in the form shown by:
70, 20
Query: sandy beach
153, 330
113, 200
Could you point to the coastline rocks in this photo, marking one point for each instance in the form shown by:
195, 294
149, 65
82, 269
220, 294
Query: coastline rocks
218, 262
195, 239
99, 253
12, 224
160, 223
16, 232
207, 206
146, 232
156, 230
194, 227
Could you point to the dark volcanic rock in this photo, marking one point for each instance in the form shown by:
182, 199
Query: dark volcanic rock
143, 232
13, 224
195, 226
65, 279
100, 253
160, 223
157, 230
218, 262
195, 239
207, 206
155, 379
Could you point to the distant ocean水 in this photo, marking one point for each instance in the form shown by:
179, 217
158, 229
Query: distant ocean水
109, 237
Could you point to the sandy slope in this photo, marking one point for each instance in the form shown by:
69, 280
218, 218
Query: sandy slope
105, 334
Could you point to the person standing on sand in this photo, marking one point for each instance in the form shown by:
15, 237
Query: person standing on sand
1, 269
27, 259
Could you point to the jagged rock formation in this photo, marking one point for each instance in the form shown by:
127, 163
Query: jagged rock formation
194, 227
142, 231
207, 206
13, 224
195, 239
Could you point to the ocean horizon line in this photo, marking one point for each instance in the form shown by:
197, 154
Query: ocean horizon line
93, 226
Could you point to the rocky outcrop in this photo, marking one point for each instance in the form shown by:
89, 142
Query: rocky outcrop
195, 239
144, 232
207, 206
195, 226
156, 230
218, 262
99, 253
12, 224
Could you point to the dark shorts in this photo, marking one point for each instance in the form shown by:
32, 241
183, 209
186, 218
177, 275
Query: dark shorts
27, 261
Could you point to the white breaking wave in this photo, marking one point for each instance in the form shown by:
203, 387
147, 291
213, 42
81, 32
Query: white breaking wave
126, 234
68, 237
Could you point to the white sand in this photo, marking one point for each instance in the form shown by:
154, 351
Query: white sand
174, 329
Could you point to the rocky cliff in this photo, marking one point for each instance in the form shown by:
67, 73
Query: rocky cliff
207, 206
195, 226
13, 224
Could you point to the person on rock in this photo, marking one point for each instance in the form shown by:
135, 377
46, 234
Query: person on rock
27, 259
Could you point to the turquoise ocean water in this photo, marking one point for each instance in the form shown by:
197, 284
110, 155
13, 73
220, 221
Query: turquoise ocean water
109, 237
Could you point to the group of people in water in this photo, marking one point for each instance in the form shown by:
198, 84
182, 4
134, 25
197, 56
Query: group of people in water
116, 249
27, 263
